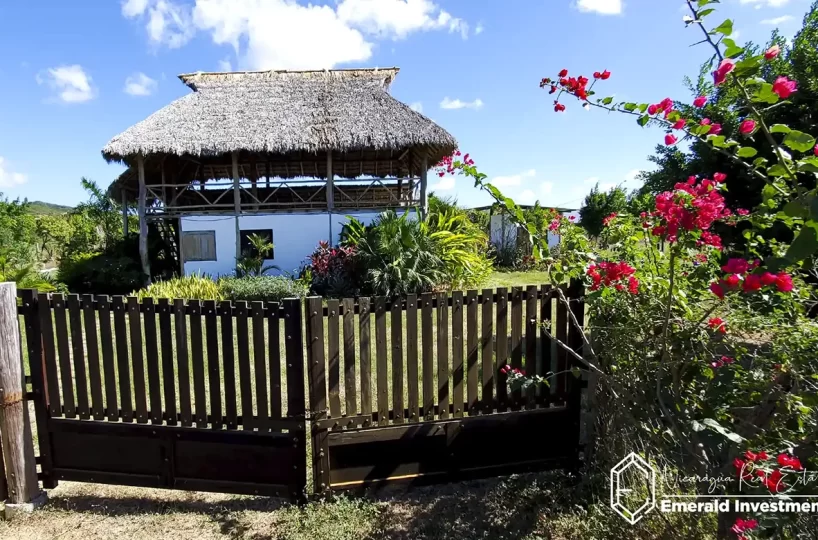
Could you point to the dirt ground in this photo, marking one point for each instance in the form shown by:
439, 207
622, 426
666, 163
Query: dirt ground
507, 508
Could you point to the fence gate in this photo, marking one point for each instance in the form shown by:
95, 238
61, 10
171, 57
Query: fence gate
181, 394
434, 406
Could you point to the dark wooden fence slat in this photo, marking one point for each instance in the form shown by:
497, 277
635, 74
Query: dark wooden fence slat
152, 358
108, 366
544, 365
228, 362
182, 361
334, 356
365, 323
531, 316
213, 369
457, 353
89, 316
487, 350
318, 391
245, 380
260, 365
168, 370
575, 337
427, 356
64, 355
137, 360
350, 386
122, 358
412, 356
562, 355
275, 360
442, 356
197, 359
294, 350
471, 350
381, 360
501, 348
78, 355
516, 340
396, 321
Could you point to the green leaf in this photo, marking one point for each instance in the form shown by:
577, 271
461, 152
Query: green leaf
765, 94
705, 12
768, 193
702, 3
759, 162
808, 164
607, 101
715, 426
725, 28
630, 107
813, 209
643, 120
805, 244
643, 107
747, 152
779, 128
719, 141
799, 141
777, 170
796, 208
748, 66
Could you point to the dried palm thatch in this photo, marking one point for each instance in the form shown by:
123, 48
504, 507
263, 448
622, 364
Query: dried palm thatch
283, 112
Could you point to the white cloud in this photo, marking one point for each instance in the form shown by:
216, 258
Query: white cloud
607, 186
140, 84
444, 184
225, 65
417, 106
603, 7
8, 178
72, 84
458, 104
513, 180
479, 29
631, 176
529, 196
592, 180
771, 3
285, 34
778, 20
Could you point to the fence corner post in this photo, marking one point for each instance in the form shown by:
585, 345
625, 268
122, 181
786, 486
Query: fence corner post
15, 428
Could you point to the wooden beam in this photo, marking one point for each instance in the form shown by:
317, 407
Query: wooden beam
424, 196
237, 202
18, 443
143, 222
330, 193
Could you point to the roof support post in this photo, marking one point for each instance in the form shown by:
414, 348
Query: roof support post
330, 194
424, 195
143, 222
237, 203
124, 215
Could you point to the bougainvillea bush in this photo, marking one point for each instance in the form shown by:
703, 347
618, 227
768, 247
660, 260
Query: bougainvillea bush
704, 359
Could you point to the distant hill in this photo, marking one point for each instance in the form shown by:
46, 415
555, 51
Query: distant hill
40, 208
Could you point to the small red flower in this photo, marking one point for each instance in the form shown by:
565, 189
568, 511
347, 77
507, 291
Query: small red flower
736, 266
732, 281
747, 127
719, 177
597, 75
742, 212
768, 278
783, 282
772, 52
700, 101
653, 109
717, 289
715, 129
717, 324
741, 526
553, 89
706, 122
670, 139
727, 65
680, 124
752, 283
605, 75
815, 150
559, 107
784, 87
563, 73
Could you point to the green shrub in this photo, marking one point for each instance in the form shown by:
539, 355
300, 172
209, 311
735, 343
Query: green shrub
100, 273
267, 288
194, 287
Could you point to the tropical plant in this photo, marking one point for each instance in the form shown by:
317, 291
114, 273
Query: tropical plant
461, 246
267, 288
194, 286
600, 204
334, 271
251, 262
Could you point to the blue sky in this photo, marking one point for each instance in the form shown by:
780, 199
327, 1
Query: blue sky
76, 73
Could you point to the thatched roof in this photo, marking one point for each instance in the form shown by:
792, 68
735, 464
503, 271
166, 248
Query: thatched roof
283, 112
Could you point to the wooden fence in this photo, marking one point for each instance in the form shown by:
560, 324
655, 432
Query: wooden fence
208, 395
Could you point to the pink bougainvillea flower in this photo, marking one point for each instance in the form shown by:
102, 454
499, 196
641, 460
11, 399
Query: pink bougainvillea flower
719, 177
717, 324
563, 73
742, 212
717, 289
747, 127
784, 87
607, 220
768, 278
788, 460
815, 150
670, 139
732, 281
772, 52
736, 266
597, 75
559, 107
700, 101
653, 109
706, 122
741, 526
727, 65
783, 282
680, 124
752, 283
605, 75
633, 285
762, 456
715, 129
728, 360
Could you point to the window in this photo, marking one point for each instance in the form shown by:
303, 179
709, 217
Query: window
248, 249
199, 246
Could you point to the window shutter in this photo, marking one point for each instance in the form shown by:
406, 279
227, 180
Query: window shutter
199, 245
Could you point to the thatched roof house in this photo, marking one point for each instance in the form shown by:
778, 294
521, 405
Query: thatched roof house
272, 127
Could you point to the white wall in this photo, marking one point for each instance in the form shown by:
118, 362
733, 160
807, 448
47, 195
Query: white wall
504, 232
295, 237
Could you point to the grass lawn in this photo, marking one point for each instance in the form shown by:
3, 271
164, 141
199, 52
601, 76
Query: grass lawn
515, 279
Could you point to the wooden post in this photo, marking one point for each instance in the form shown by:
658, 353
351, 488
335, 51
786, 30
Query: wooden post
124, 215
18, 444
237, 203
424, 195
143, 222
330, 193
